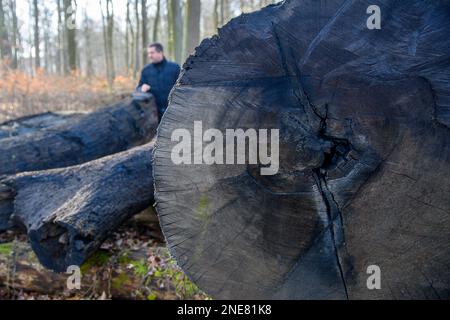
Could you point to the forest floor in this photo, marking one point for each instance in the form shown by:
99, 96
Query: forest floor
133, 263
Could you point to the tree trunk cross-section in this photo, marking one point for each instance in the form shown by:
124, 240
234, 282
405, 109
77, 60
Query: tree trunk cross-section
364, 120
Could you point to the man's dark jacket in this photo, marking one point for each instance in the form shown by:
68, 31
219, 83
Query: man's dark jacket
161, 77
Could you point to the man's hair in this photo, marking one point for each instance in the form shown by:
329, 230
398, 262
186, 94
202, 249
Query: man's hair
158, 46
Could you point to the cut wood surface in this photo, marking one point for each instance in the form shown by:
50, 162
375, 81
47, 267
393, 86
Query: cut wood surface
364, 120
107, 131
69, 212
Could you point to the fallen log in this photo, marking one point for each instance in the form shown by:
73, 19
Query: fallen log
364, 150
95, 135
69, 212
32, 124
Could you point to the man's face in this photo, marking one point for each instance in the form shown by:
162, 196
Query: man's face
154, 56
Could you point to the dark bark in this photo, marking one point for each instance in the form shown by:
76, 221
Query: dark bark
69, 212
107, 131
35, 123
364, 120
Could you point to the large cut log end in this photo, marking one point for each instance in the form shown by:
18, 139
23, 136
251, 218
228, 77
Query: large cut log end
363, 119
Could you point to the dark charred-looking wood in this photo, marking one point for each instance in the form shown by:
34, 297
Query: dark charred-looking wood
81, 139
364, 120
31, 124
69, 212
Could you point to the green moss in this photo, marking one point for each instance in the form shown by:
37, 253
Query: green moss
152, 296
140, 268
124, 259
119, 281
6, 249
98, 259
202, 210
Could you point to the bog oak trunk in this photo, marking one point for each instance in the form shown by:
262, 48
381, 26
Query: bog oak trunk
364, 175
78, 140
67, 213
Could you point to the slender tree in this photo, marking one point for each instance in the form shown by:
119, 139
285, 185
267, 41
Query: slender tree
37, 41
127, 39
70, 31
87, 29
176, 26
15, 34
216, 14
192, 26
46, 24
108, 39
5, 45
137, 56
144, 19
157, 21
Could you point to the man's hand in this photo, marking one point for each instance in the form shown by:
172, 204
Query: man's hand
145, 88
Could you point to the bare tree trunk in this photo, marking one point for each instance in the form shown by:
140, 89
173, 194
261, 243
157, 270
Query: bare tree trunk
5, 45
70, 28
60, 43
157, 21
108, 38
170, 29
127, 40
88, 46
137, 54
47, 48
145, 43
37, 52
192, 31
132, 39
176, 26
222, 16
15, 32
216, 15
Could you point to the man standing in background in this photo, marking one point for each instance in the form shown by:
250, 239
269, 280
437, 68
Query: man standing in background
159, 77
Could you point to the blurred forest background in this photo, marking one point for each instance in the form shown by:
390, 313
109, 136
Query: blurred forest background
81, 54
